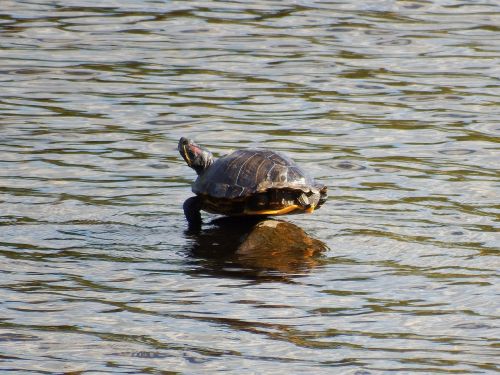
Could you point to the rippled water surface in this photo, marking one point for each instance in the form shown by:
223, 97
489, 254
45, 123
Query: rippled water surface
392, 104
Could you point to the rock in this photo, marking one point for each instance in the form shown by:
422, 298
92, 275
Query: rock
258, 245
279, 245
274, 237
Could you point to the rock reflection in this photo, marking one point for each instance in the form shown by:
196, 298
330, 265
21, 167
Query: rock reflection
258, 244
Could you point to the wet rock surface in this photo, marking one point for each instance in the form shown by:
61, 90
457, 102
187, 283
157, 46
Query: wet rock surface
275, 237
259, 244
279, 245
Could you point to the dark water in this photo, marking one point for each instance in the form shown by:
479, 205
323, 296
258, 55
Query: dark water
392, 104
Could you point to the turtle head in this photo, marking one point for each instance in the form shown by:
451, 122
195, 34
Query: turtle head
195, 156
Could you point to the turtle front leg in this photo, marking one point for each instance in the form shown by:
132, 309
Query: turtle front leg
192, 207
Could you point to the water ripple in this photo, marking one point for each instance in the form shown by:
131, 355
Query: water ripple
393, 105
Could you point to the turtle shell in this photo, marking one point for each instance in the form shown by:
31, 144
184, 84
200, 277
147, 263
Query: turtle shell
247, 172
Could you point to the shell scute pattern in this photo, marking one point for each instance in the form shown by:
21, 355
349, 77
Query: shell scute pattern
246, 172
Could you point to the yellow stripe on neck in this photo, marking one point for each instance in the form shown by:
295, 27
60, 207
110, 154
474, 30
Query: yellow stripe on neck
186, 155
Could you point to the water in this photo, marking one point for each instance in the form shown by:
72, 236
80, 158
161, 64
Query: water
392, 104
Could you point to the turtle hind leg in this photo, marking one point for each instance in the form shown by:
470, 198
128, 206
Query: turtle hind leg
192, 207
307, 203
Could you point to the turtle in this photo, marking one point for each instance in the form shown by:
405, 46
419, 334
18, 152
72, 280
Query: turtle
248, 182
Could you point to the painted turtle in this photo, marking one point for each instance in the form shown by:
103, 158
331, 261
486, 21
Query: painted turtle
248, 182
